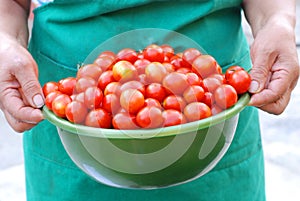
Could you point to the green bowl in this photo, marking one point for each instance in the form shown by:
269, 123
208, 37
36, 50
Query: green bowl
149, 158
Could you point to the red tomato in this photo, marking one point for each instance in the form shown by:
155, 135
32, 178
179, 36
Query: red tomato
176, 83
169, 67
50, 87
133, 84
156, 91
124, 71
76, 112
173, 117
179, 62
174, 102
140, 65
67, 85
105, 62
110, 54
152, 102
240, 80
127, 54
168, 50
78, 97
153, 53
189, 55
215, 109
111, 103
83, 83
59, 105
184, 70
208, 99
132, 100
149, 117
205, 65
113, 88
105, 78
225, 96
50, 97
93, 97
196, 111
193, 93
193, 79
155, 72
124, 121
89, 70
99, 118
231, 70
211, 83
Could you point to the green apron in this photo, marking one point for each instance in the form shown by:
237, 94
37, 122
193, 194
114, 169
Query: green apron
63, 35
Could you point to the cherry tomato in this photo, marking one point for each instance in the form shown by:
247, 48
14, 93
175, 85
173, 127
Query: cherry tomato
155, 72
132, 100
175, 82
93, 97
99, 118
105, 78
89, 70
208, 99
152, 102
113, 88
105, 62
59, 105
196, 111
193, 79
174, 102
124, 121
225, 96
190, 54
168, 50
240, 80
124, 71
140, 65
179, 62
50, 87
173, 117
156, 91
153, 53
127, 54
231, 70
78, 97
83, 83
107, 53
169, 67
133, 84
211, 83
193, 93
111, 103
149, 117
67, 85
76, 112
205, 65
50, 97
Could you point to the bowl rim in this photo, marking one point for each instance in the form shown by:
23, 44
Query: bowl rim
146, 133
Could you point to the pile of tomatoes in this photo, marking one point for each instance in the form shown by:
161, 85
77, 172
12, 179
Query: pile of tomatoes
151, 88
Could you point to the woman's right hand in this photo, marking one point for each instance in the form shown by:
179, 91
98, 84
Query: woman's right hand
21, 95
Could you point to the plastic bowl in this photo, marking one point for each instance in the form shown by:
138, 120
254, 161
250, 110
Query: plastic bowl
152, 158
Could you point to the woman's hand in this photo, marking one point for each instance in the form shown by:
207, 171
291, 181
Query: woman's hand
20, 92
275, 66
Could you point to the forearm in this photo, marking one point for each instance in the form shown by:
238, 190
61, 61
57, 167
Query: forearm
14, 15
259, 13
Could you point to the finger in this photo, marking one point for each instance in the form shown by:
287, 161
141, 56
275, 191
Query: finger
262, 63
17, 125
27, 77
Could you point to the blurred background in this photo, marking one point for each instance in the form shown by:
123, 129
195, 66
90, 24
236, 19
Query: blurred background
281, 141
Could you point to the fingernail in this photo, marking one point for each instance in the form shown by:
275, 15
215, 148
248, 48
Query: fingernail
254, 86
38, 101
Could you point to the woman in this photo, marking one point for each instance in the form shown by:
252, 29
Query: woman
66, 31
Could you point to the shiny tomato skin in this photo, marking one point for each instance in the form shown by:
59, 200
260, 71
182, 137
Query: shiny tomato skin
89, 70
127, 54
168, 50
240, 80
225, 96
133, 84
156, 91
111, 103
50, 97
50, 87
193, 93
124, 71
173, 117
76, 112
174, 102
59, 105
93, 97
105, 78
179, 62
154, 53
113, 88
149, 117
141, 65
196, 111
67, 85
194, 79
190, 54
108, 53
124, 121
132, 100
231, 70
211, 83
99, 118
208, 99
155, 72
83, 83
205, 65
175, 82
105, 62
152, 102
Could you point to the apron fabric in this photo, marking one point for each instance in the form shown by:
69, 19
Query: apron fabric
66, 31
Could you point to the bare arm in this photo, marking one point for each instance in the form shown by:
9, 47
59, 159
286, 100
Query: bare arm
275, 62
20, 91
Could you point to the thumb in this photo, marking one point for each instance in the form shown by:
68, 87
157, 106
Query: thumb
30, 86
